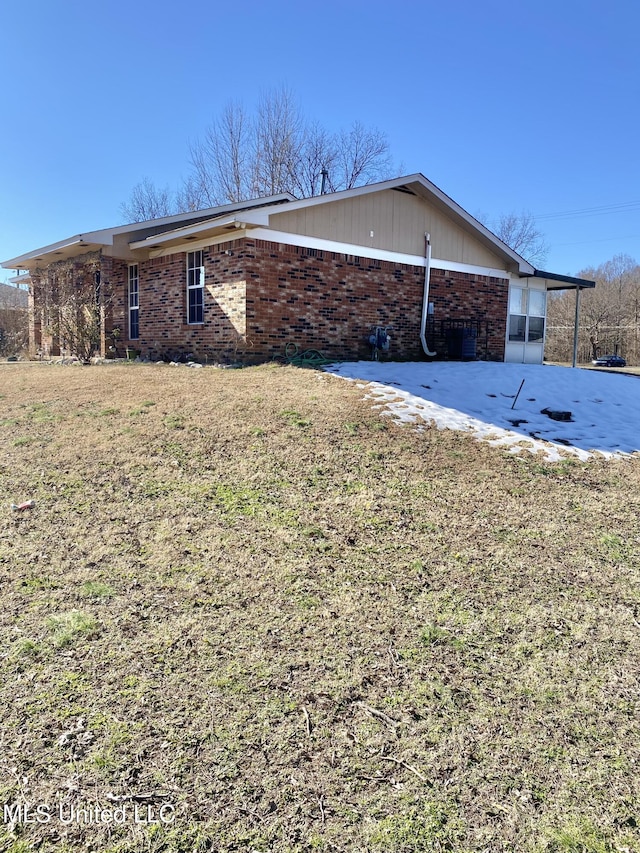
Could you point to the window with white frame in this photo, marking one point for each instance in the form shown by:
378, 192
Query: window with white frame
527, 310
134, 302
537, 311
195, 288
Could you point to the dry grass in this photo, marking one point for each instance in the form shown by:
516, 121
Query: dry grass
245, 594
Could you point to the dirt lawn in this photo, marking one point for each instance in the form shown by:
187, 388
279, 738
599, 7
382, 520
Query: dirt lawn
248, 613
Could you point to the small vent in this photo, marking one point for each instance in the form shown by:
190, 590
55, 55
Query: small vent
404, 189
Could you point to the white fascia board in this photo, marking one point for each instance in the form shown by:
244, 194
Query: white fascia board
22, 261
92, 239
156, 240
472, 269
302, 240
369, 252
286, 237
240, 220
306, 242
194, 245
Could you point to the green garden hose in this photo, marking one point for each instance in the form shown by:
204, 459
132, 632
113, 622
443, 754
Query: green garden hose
307, 358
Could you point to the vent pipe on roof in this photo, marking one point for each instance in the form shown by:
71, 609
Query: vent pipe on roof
425, 296
325, 176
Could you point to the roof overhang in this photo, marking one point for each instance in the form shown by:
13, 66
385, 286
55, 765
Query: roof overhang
180, 238
23, 278
104, 239
564, 282
61, 251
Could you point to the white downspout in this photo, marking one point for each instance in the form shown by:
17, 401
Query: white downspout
425, 297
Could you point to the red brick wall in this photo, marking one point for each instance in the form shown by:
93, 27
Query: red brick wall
164, 331
113, 273
329, 301
260, 295
478, 298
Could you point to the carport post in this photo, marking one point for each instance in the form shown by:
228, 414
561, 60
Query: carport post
575, 327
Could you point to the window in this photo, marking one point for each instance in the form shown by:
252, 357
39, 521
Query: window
537, 303
195, 288
536, 329
517, 325
134, 302
518, 301
527, 309
517, 314
537, 311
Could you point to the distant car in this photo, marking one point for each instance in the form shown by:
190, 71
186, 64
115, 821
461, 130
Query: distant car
609, 361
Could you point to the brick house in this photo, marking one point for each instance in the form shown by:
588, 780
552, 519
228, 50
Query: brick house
240, 281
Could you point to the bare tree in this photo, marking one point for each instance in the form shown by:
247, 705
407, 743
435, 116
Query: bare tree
619, 274
318, 154
193, 195
14, 320
520, 233
274, 150
362, 157
609, 315
221, 167
148, 202
78, 323
277, 142
75, 303
279, 151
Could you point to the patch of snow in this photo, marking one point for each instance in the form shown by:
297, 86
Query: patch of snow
478, 397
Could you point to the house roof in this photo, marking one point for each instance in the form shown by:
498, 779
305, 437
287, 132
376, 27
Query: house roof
422, 187
258, 216
95, 240
213, 226
178, 231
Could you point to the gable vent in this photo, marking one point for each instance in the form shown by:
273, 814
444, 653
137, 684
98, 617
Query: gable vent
404, 189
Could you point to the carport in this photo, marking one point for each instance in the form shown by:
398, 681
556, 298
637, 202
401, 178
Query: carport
565, 282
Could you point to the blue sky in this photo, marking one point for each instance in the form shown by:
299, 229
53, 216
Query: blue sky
506, 105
